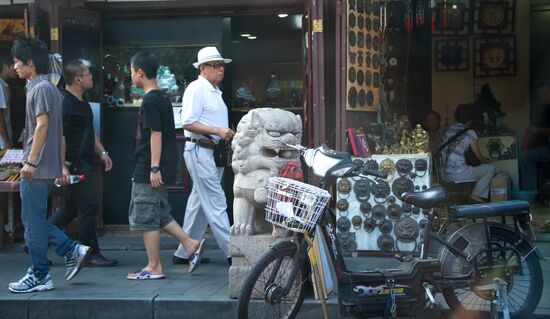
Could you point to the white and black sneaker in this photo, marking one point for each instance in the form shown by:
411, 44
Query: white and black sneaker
30, 283
75, 261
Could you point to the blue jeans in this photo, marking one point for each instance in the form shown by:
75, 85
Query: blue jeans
38, 230
528, 165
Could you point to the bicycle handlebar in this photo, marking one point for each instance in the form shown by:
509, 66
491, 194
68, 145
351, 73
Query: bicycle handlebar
371, 172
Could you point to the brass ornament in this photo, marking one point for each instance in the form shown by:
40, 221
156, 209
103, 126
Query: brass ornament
344, 186
347, 241
365, 207
394, 212
406, 229
342, 205
403, 167
378, 213
343, 224
356, 221
388, 167
362, 189
385, 226
402, 185
386, 243
369, 225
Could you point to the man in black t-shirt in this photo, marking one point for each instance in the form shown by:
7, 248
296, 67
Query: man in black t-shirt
81, 149
155, 166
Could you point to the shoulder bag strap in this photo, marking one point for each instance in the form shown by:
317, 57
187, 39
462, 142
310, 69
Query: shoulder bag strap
453, 138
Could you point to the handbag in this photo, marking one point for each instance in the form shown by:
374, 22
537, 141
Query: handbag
469, 155
471, 158
223, 154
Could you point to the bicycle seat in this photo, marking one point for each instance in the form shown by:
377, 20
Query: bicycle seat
427, 199
473, 211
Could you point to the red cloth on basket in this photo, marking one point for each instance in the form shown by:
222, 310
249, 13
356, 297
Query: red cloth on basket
293, 171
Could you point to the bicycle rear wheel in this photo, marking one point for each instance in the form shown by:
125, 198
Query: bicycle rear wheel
261, 295
524, 278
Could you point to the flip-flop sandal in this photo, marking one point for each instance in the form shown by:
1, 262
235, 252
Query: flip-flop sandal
143, 275
197, 256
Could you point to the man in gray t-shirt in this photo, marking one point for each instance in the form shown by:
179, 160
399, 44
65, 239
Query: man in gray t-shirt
42, 160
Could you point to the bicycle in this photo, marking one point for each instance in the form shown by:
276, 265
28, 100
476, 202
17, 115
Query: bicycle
481, 266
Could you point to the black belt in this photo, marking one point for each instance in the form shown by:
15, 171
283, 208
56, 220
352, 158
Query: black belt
202, 142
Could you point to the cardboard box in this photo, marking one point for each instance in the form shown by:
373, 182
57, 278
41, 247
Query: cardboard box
499, 189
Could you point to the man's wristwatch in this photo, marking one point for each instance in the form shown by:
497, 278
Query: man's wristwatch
155, 169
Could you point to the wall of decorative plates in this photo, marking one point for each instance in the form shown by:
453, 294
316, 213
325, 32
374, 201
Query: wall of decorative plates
371, 217
363, 55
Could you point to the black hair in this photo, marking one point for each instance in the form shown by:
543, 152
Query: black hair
464, 113
5, 59
147, 62
25, 49
71, 70
434, 113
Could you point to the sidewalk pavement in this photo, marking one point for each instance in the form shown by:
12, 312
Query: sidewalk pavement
106, 293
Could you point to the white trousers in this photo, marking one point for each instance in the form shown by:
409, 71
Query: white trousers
206, 204
482, 173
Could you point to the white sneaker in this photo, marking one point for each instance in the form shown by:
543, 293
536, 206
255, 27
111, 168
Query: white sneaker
75, 261
30, 283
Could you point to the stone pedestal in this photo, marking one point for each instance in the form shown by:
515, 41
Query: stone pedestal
245, 251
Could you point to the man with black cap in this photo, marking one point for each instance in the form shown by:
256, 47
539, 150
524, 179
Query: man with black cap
205, 121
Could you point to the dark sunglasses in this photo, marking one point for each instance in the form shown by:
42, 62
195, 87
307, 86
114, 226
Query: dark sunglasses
215, 65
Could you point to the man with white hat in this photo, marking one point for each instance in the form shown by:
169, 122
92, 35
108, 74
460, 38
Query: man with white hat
205, 118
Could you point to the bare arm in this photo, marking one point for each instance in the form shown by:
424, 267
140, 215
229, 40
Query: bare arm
39, 140
4, 131
156, 149
474, 145
105, 158
201, 129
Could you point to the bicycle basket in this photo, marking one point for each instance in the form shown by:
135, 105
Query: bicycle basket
294, 205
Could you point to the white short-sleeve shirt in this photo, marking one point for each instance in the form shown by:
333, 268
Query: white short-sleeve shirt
203, 103
453, 158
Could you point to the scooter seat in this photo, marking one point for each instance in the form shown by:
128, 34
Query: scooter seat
427, 199
474, 211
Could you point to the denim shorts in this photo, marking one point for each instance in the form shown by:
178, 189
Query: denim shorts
149, 208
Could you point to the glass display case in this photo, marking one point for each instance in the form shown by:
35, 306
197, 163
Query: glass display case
278, 85
117, 83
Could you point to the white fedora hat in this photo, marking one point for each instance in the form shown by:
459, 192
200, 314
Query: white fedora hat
208, 54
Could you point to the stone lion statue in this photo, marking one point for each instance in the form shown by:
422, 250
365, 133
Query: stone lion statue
259, 151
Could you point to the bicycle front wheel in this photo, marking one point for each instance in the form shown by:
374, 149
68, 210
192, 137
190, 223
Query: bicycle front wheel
523, 275
262, 292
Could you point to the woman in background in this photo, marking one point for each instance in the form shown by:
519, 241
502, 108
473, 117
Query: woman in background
458, 138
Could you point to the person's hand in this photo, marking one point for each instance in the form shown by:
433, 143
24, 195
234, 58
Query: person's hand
107, 162
156, 179
64, 179
27, 171
486, 160
225, 133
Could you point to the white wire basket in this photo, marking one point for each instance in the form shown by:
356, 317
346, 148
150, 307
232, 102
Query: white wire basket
294, 205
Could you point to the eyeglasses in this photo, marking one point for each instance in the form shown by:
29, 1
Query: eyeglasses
216, 65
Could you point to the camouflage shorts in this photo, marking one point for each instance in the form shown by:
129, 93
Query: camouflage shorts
149, 208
